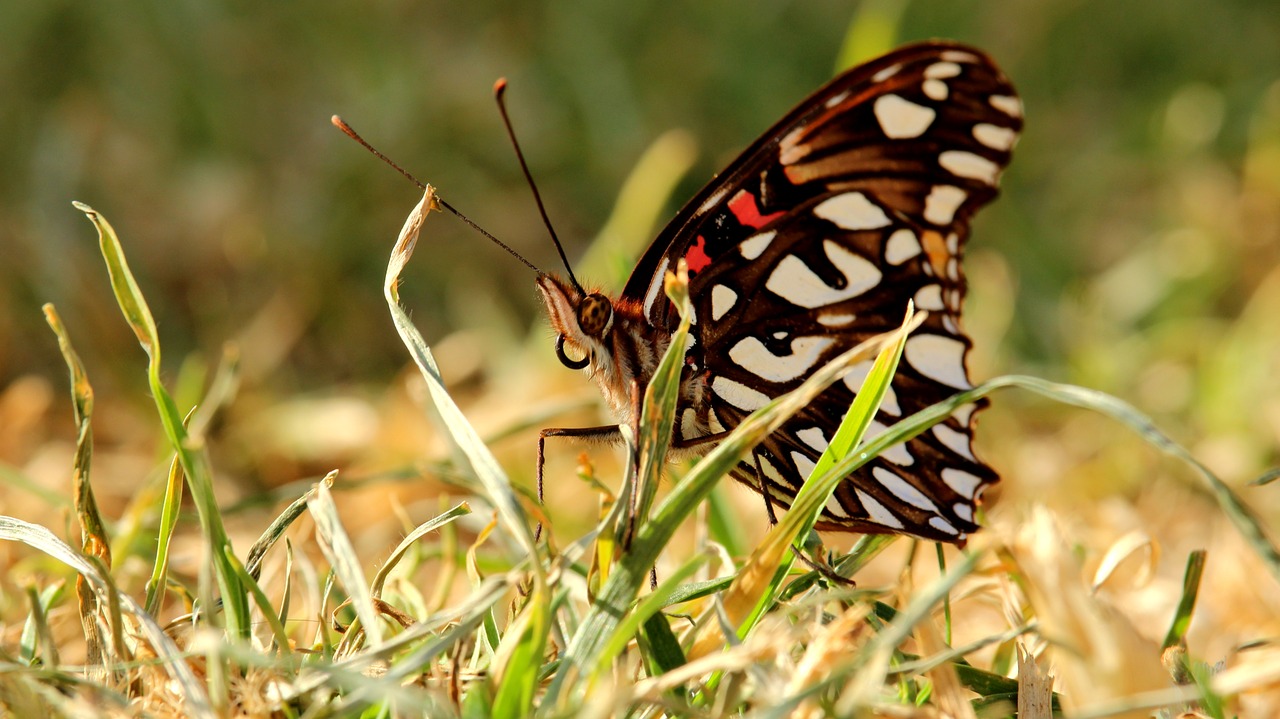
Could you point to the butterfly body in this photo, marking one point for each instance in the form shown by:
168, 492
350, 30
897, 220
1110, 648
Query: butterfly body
812, 241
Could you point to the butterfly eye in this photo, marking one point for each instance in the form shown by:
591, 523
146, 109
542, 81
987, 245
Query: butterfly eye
564, 358
595, 315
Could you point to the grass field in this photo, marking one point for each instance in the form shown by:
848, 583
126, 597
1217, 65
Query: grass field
1129, 552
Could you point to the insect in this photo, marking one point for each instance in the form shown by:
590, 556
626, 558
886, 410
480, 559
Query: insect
811, 241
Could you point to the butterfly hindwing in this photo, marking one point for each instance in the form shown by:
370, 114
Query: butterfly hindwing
813, 241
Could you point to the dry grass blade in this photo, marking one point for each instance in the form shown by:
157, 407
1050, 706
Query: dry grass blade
196, 702
346, 564
1035, 688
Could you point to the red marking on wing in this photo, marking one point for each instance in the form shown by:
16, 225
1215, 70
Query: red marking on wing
743, 206
697, 257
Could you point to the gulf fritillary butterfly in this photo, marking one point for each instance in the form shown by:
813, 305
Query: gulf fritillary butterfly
811, 241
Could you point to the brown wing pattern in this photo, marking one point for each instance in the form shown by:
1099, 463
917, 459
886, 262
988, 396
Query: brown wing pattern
813, 241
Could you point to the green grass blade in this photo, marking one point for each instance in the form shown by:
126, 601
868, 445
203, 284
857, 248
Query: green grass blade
657, 414
260, 598
630, 573
170, 508
761, 577
1177, 634
194, 461
407, 543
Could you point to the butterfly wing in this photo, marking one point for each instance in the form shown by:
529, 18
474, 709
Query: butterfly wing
812, 241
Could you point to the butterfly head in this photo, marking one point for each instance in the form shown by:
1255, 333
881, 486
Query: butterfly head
582, 320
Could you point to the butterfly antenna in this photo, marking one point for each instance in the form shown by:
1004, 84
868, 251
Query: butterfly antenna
499, 90
341, 124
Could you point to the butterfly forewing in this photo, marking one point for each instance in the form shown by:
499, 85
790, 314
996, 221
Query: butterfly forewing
814, 240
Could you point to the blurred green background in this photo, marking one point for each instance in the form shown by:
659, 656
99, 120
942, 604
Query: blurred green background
1134, 248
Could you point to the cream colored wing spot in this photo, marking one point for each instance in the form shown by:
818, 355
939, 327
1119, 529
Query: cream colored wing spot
970, 166
751, 355
739, 395
795, 282
994, 136
901, 246
957, 442
901, 119
1008, 104
755, 245
939, 358
813, 437
852, 211
963, 483
903, 490
942, 202
723, 298
877, 512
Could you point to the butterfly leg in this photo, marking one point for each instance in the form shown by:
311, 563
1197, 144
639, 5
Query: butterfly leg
606, 434
764, 490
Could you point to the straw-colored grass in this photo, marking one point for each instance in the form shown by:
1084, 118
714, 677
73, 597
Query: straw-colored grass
470, 615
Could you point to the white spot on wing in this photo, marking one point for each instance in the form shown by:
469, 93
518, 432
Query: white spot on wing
901, 246
897, 454
901, 119
836, 319
959, 56
793, 281
877, 512
713, 200
751, 354
813, 437
886, 73
834, 509
941, 204
942, 525
753, 246
994, 136
963, 511
935, 90
942, 70
957, 442
837, 99
1007, 104
804, 465
969, 165
961, 481
655, 286
739, 395
939, 358
902, 489
722, 300
852, 211
930, 298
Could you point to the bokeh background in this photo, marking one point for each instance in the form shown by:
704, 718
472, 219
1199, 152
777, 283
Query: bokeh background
1134, 250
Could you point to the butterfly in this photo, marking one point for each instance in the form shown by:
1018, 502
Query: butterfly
811, 241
